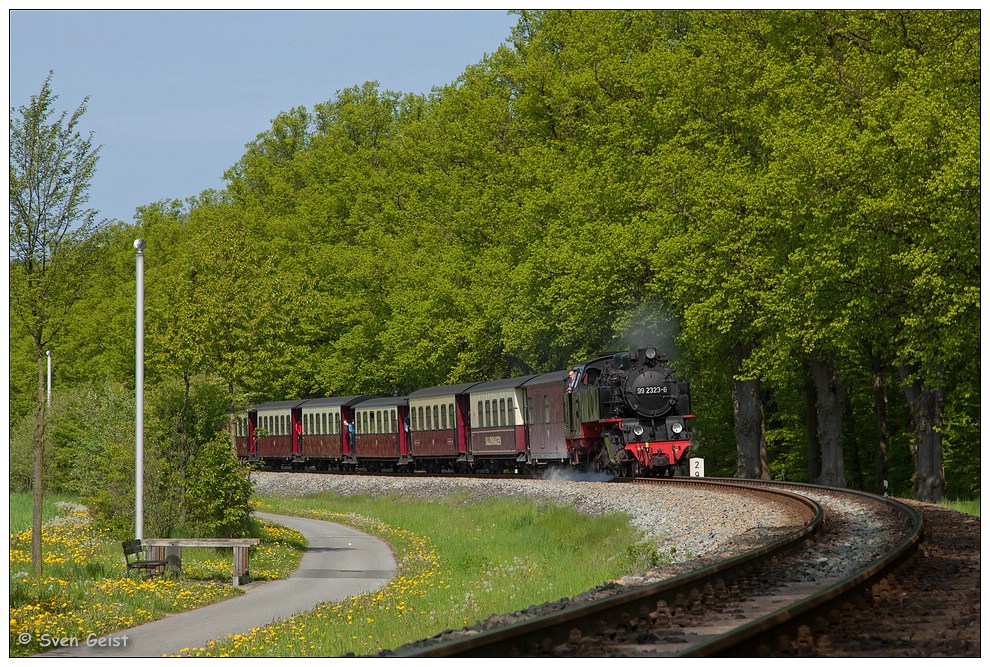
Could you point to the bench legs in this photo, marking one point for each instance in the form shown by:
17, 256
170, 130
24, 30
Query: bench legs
241, 575
173, 561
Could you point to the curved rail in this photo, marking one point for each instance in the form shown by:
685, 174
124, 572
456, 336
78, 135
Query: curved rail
526, 637
745, 640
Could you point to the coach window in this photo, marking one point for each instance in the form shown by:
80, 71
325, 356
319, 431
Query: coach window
481, 415
412, 419
436, 417
501, 412
509, 412
450, 411
546, 408
443, 417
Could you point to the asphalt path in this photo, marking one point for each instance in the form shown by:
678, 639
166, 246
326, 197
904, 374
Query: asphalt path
339, 563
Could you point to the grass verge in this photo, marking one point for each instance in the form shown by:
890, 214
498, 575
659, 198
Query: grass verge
460, 561
966, 506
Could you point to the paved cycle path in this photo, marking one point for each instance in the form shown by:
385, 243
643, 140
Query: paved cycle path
339, 563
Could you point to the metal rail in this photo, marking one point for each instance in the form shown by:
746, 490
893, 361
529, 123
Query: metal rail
745, 640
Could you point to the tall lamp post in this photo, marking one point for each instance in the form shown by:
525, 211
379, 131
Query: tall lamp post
139, 398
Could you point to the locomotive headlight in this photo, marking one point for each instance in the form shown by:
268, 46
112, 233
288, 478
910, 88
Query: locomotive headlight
677, 427
638, 429
651, 353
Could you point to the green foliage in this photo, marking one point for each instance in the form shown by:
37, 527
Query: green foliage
788, 183
217, 490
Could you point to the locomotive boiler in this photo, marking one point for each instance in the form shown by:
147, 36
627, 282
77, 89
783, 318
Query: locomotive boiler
627, 413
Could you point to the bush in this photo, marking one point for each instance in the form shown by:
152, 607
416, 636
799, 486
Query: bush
217, 491
193, 483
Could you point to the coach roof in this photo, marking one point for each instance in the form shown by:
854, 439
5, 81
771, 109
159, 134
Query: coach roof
506, 383
451, 389
279, 405
546, 378
334, 401
381, 402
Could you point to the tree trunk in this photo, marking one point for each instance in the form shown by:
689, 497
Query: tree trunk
926, 405
232, 416
831, 405
39, 467
880, 419
750, 431
183, 446
811, 426
852, 442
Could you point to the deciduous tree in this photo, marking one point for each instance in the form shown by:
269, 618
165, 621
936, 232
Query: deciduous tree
52, 238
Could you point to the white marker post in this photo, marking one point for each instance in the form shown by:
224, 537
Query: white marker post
139, 398
48, 353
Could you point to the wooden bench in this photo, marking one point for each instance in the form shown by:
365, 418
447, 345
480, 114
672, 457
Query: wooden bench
170, 549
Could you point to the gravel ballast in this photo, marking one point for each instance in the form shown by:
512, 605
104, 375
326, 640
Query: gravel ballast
684, 523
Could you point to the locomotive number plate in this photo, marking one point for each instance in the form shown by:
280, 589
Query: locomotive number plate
652, 390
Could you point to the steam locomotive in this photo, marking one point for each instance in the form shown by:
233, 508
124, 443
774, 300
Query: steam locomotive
624, 414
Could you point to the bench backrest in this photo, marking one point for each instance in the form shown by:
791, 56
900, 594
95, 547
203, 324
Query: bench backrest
132, 549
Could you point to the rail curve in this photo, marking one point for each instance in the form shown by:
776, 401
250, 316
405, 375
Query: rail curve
716, 610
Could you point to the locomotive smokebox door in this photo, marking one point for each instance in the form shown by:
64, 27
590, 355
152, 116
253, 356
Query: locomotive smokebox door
651, 392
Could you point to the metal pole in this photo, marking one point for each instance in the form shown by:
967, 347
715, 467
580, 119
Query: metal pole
139, 398
48, 353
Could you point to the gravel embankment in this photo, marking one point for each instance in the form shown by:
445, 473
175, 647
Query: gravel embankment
685, 524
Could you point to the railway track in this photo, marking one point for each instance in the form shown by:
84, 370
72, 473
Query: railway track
762, 602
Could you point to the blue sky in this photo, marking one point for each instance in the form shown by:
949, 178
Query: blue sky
176, 94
